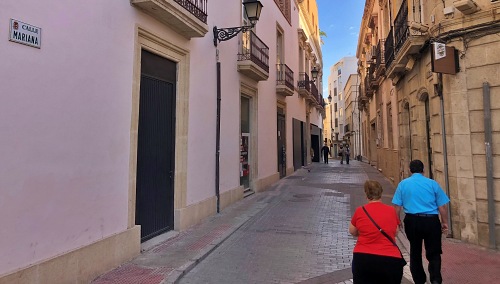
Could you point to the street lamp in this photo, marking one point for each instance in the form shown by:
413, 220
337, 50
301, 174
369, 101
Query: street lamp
314, 74
252, 10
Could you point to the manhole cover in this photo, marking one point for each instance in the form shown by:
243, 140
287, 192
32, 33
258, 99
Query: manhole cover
300, 200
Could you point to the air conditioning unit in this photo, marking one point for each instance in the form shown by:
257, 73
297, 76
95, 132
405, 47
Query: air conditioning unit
467, 7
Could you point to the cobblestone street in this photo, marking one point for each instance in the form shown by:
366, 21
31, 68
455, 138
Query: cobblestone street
302, 234
295, 232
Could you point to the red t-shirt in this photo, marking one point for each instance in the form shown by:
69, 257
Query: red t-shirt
370, 239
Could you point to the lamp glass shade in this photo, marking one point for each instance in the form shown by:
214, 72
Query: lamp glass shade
330, 98
253, 9
314, 73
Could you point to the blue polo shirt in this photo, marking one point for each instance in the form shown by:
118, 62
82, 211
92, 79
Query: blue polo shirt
418, 194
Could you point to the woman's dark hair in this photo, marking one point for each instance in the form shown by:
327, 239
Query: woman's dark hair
416, 166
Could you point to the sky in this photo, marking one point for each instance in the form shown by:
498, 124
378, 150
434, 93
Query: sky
340, 20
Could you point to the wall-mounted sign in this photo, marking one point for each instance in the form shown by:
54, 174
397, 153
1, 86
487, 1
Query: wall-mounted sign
444, 59
25, 33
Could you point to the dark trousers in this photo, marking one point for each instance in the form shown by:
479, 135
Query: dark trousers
376, 269
427, 230
325, 157
347, 159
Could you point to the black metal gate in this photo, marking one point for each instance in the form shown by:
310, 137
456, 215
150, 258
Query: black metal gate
281, 135
155, 149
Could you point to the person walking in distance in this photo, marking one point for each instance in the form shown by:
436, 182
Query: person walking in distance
423, 200
341, 154
347, 153
325, 150
376, 257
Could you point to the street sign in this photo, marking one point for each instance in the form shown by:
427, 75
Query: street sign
24, 33
444, 59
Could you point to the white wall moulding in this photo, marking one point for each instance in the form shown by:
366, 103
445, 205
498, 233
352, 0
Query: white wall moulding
467, 7
188, 20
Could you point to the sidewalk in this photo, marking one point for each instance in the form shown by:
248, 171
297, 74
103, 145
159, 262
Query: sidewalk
168, 260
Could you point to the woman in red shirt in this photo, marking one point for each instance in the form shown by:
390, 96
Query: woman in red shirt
375, 258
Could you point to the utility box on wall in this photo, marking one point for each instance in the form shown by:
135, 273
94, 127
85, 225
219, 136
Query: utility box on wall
444, 59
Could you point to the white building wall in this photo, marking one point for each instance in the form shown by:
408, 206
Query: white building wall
65, 120
348, 66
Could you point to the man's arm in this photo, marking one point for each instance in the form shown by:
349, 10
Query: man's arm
398, 214
443, 211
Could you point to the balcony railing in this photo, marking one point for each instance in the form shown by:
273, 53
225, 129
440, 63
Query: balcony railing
303, 82
186, 17
284, 75
196, 7
379, 57
389, 49
401, 30
253, 49
315, 93
368, 89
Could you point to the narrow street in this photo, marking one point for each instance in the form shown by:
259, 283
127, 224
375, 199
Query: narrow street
295, 232
300, 235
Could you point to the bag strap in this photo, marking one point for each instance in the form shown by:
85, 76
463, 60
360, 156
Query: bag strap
382, 231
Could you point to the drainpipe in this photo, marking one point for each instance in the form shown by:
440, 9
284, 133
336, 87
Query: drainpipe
489, 163
217, 139
439, 89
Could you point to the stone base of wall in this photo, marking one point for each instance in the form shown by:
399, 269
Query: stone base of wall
84, 264
389, 164
264, 183
193, 214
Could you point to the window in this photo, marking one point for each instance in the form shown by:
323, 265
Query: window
285, 8
335, 91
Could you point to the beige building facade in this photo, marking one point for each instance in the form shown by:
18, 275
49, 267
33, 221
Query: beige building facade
406, 116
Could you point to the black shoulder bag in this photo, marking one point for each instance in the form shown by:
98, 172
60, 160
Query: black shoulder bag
403, 261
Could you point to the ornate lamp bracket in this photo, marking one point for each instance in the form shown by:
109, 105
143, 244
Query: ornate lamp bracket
224, 34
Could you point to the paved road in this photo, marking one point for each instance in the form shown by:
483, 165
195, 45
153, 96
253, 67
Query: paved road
301, 235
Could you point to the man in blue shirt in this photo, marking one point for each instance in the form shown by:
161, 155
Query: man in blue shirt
423, 201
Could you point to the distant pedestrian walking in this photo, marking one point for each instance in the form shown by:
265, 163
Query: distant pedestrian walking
423, 201
347, 153
376, 257
325, 150
341, 154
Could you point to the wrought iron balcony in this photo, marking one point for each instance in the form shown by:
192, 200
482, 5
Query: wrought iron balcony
187, 17
401, 30
304, 85
284, 80
404, 43
389, 49
315, 94
372, 77
253, 57
368, 89
380, 58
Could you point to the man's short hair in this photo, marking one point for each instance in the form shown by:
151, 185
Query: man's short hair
416, 166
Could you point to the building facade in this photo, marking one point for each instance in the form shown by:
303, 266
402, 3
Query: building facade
444, 117
339, 73
353, 116
123, 120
